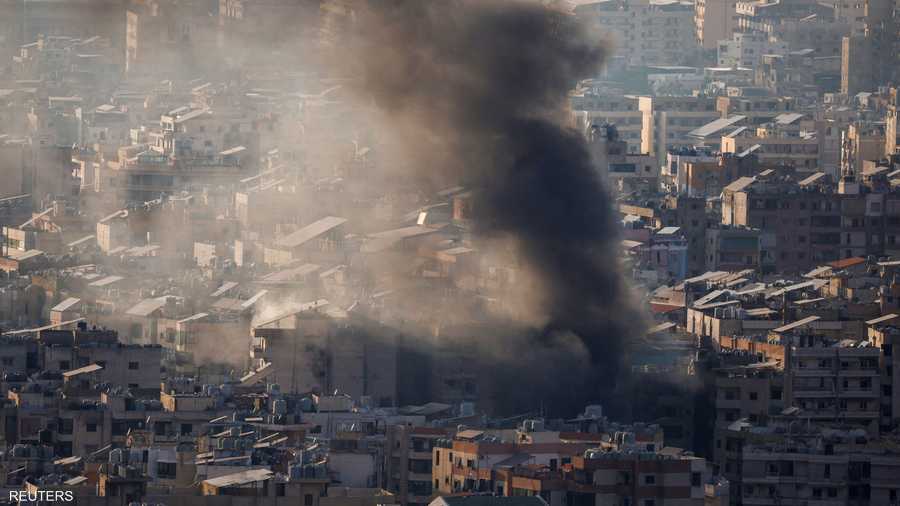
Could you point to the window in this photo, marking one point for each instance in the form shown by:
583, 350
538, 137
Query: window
696, 479
64, 365
649, 479
754, 396
437, 458
133, 366
91, 427
165, 470
308, 500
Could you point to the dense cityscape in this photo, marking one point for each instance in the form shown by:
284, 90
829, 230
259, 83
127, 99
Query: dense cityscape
449, 252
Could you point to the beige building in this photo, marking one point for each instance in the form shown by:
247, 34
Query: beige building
644, 32
714, 20
666, 121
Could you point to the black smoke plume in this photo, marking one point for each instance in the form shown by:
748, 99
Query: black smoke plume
476, 91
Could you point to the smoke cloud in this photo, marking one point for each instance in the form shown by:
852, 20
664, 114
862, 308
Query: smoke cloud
475, 92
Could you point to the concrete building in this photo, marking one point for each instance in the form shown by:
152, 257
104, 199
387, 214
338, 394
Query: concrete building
747, 50
811, 224
666, 254
620, 170
599, 108
644, 32
314, 349
786, 141
667, 121
715, 20
408, 462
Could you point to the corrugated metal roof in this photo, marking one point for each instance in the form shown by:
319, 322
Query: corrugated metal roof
740, 184
147, 306
226, 286
787, 118
241, 478
706, 299
66, 304
83, 370
668, 230
881, 319
253, 300
198, 316
795, 325
716, 126
469, 434
818, 271
384, 240
310, 232
661, 327
108, 280
290, 275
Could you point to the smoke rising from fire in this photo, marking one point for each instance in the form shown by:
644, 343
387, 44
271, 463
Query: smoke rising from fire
475, 92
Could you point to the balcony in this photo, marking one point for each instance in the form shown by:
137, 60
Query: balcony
859, 393
858, 372
814, 393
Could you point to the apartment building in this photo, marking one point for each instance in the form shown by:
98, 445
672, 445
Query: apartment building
708, 178
644, 32
409, 462
810, 464
812, 225
747, 49
620, 170
334, 355
777, 144
599, 108
756, 110
644, 478
667, 121
468, 462
829, 381
715, 20
885, 335
891, 123
736, 249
